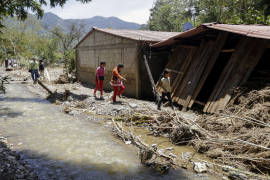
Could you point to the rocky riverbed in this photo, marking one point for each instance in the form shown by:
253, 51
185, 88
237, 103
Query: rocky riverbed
11, 167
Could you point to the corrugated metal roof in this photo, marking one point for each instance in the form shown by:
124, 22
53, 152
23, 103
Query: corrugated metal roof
256, 31
137, 35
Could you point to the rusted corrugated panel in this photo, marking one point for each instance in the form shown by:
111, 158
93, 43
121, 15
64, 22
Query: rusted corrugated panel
256, 31
186, 34
140, 35
137, 35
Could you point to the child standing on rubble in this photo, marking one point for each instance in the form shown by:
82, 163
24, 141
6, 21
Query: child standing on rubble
117, 81
100, 72
165, 84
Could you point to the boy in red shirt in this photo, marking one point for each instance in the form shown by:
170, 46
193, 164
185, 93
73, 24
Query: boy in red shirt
117, 81
100, 72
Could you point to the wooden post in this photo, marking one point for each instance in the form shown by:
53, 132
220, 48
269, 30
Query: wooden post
155, 91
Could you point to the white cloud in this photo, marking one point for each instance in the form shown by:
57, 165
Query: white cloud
129, 10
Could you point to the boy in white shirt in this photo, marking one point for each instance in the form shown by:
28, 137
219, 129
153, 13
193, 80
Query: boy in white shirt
165, 84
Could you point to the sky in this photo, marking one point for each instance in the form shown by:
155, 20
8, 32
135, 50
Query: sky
128, 10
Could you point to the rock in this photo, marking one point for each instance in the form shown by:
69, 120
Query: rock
20, 176
186, 155
169, 148
11, 157
132, 105
5, 141
70, 99
128, 142
74, 112
57, 102
166, 135
227, 168
215, 153
200, 167
154, 146
161, 151
211, 166
172, 155
1, 150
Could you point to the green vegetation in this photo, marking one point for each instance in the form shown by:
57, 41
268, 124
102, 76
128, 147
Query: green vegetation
170, 15
23, 40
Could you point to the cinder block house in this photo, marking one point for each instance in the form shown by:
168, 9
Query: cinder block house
120, 46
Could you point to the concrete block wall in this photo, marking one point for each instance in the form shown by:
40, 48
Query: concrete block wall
100, 46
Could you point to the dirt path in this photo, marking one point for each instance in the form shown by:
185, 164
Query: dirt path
59, 146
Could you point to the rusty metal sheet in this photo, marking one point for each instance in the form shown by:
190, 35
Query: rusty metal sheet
256, 31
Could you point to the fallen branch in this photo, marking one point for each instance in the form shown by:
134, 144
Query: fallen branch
45, 87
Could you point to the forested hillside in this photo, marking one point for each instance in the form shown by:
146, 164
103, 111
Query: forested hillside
50, 21
50, 38
170, 15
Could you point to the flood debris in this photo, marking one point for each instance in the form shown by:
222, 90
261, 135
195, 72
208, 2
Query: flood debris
238, 137
149, 155
200, 167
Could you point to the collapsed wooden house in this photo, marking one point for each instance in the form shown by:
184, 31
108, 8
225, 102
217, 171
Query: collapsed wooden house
120, 46
212, 59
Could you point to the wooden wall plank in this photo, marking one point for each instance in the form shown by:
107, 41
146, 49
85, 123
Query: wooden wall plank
219, 44
185, 80
243, 71
183, 69
243, 61
225, 74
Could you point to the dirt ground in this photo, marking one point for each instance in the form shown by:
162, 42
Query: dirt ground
236, 141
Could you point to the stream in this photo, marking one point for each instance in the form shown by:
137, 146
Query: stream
60, 146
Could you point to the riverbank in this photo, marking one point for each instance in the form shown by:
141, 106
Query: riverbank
10, 165
215, 138
63, 146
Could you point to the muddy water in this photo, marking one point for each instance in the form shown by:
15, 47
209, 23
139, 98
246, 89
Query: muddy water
59, 146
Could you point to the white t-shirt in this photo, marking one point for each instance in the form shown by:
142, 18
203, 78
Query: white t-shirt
166, 85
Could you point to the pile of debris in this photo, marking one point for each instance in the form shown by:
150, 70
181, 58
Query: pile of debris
238, 138
66, 78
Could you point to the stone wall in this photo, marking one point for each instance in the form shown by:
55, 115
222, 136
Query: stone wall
99, 46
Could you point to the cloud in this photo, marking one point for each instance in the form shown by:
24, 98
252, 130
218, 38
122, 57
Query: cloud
129, 10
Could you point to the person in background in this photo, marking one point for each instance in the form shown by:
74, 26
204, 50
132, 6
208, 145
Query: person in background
117, 81
165, 85
41, 69
34, 70
100, 72
6, 63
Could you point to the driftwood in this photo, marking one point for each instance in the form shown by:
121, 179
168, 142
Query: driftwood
248, 119
149, 156
45, 87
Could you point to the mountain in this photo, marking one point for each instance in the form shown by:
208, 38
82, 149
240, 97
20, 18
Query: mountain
50, 21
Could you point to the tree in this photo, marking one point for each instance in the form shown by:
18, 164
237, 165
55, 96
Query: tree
170, 15
19, 8
67, 42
